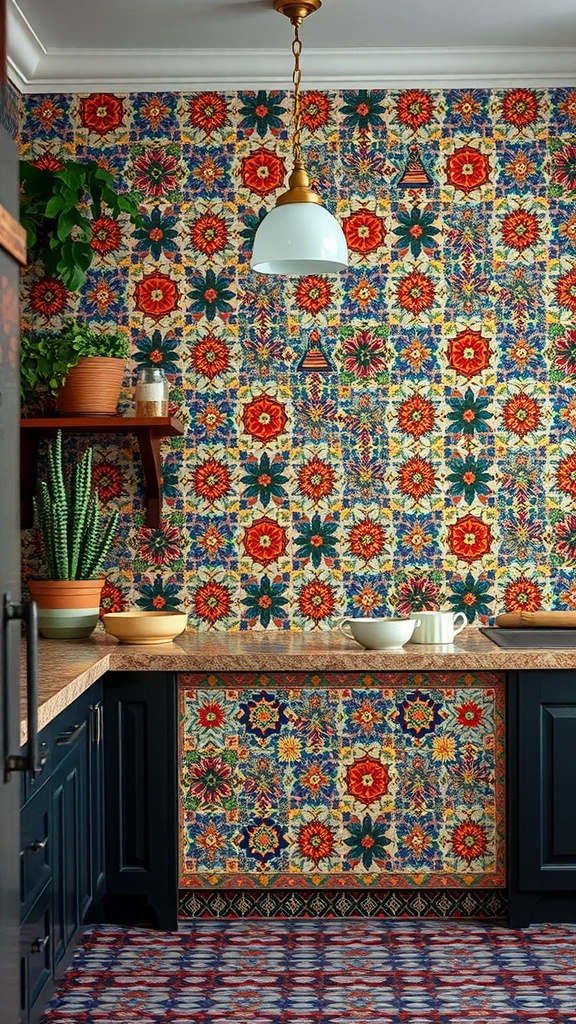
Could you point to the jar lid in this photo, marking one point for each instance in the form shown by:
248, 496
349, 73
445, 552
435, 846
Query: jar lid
151, 373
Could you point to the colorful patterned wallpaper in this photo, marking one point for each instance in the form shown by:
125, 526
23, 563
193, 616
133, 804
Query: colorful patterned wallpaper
397, 437
342, 782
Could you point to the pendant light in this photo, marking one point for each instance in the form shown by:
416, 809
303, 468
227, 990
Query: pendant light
299, 236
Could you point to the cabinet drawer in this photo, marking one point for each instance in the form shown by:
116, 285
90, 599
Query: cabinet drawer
57, 739
36, 952
35, 850
69, 737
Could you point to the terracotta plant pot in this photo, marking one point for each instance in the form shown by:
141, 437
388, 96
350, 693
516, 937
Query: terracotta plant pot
92, 387
67, 609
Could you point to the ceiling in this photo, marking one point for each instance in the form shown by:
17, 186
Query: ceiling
140, 45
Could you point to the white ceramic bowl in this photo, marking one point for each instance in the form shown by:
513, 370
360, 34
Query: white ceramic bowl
379, 634
145, 627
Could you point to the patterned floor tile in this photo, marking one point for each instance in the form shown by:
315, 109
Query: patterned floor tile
321, 972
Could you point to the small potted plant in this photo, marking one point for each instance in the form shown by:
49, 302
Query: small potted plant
75, 543
82, 367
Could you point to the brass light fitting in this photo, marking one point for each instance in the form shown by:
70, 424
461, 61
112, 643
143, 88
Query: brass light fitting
299, 190
297, 10
299, 235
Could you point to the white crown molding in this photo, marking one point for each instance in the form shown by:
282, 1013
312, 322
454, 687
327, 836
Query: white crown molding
25, 51
33, 68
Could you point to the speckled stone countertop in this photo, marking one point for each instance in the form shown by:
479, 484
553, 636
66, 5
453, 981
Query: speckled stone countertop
68, 667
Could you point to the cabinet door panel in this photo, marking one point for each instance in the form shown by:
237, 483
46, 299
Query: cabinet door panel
36, 849
547, 782
65, 821
62, 850
36, 956
559, 765
133, 816
140, 796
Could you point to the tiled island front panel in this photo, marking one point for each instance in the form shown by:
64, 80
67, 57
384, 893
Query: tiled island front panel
342, 781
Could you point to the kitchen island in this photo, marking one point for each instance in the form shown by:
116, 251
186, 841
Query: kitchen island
312, 776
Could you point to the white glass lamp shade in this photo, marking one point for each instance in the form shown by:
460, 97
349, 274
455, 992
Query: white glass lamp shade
298, 239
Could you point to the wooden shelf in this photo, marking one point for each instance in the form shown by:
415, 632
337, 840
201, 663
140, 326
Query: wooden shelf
149, 432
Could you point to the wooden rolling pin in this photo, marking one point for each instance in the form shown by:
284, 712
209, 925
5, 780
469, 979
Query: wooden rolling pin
536, 620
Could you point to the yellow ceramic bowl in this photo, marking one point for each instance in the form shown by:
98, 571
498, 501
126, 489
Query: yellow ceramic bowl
145, 627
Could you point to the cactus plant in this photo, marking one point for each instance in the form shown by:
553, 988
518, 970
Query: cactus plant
74, 536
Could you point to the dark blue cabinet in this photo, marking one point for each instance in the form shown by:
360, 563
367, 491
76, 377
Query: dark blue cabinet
141, 798
542, 805
99, 825
62, 867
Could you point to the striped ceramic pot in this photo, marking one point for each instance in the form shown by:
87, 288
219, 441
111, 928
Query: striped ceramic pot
92, 387
67, 609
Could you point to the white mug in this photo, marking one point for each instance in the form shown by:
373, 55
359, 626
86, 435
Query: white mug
437, 627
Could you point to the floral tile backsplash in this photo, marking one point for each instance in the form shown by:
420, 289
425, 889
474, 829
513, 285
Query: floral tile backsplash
290, 780
398, 437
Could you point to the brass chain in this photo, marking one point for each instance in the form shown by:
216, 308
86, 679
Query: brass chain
297, 114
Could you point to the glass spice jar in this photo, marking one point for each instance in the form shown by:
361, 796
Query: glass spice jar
151, 394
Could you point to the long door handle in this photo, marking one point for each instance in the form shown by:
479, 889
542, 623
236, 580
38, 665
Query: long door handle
27, 612
96, 719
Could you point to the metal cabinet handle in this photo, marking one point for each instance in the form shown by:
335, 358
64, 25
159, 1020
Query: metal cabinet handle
39, 945
38, 844
69, 735
27, 612
97, 710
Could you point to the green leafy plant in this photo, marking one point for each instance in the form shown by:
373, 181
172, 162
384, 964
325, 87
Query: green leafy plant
46, 358
57, 209
67, 510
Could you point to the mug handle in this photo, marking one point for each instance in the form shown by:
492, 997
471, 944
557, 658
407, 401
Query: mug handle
460, 615
341, 626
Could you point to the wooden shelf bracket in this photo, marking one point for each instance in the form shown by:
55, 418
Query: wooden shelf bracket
149, 432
